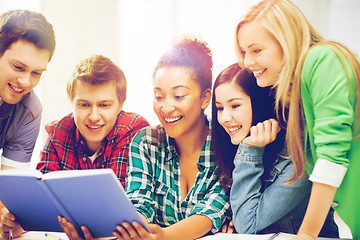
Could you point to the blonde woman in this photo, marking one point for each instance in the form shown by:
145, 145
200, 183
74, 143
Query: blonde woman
317, 92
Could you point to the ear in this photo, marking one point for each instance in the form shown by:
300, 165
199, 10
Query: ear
205, 98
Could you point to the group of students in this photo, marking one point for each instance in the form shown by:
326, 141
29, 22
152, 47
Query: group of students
281, 147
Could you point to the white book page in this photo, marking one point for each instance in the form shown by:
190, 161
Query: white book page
21, 172
77, 173
236, 236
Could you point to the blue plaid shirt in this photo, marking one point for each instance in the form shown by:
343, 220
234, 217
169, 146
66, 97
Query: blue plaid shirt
153, 181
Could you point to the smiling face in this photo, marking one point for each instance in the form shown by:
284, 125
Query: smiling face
95, 108
261, 53
21, 67
234, 111
178, 101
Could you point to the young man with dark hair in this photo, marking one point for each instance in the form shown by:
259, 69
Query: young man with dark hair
27, 44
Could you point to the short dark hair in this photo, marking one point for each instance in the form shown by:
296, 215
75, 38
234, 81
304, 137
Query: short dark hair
26, 25
97, 70
193, 54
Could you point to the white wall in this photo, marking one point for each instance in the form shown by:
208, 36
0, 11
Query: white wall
134, 33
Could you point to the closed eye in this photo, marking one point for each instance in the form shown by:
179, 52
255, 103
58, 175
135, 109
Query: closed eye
257, 51
179, 97
18, 68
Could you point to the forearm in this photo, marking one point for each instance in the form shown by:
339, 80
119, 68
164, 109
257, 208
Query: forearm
320, 201
192, 227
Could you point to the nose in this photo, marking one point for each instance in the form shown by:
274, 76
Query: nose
24, 80
248, 61
94, 114
168, 106
224, 116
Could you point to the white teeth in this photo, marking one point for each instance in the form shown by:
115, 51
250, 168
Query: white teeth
16, 89
94, 127
234, 128
170, 120
258, 72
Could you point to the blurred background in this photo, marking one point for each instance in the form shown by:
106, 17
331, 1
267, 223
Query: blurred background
134, 33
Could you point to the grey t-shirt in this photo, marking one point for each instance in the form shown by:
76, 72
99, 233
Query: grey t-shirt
19, 128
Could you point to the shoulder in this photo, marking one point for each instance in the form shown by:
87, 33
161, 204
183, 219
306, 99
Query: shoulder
31, 103
130, 120
320, 52
324, 62
152, 135
64, 125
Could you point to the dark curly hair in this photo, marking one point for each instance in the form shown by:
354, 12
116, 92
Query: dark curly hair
191, 53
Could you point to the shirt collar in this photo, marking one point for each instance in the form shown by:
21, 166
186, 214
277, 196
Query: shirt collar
206, 148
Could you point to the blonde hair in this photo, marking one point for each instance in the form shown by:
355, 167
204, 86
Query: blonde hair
286, 23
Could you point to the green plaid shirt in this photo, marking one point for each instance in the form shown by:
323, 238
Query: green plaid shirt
153, 181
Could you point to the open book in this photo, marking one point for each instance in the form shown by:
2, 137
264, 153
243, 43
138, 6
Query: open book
94, 198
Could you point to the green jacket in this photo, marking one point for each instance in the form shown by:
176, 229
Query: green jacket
329, 103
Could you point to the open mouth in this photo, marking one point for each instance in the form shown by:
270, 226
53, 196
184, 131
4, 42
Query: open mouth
94, 127
233, 130
258, 73
16, 89
173, 119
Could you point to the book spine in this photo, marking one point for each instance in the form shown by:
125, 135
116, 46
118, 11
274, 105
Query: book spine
59, 205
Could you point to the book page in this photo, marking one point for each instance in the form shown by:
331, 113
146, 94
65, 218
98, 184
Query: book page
236, 236
22, 172
76, 173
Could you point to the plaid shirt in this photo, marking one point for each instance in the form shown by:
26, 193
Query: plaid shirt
65, 148
153, 181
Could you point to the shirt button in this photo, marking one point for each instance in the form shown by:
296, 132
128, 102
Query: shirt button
84, 159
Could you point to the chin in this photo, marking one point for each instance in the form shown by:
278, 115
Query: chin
235, 142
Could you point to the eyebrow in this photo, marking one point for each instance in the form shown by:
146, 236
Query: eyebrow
231, 100
174, 88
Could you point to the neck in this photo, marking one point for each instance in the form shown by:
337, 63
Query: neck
192, 142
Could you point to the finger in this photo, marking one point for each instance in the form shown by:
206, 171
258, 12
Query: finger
275, 128
224, 228
118, 235
87, 233
131, 230
123, 233
74, 233
6, 214
68, 228
142, 232
9, 223
63, 224
266, 131
231, 227
253, 131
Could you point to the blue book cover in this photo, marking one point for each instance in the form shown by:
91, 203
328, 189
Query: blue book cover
94, 198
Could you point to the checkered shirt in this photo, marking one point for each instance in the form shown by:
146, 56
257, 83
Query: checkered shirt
65, 148
153, 181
